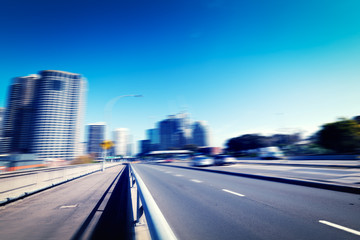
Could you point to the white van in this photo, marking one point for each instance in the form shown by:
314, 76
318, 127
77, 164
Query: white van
270, 153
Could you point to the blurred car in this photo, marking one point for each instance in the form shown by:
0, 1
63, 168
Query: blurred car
224, 160
271, 153
202, 161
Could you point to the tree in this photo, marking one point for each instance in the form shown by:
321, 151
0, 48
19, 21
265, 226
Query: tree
342, 136
247, 141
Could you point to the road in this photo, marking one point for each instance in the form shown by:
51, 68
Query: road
205, 205
341, 175
61, 212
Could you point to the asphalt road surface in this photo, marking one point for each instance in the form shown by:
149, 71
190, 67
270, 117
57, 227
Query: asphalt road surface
347, 176
60, 212
205, 205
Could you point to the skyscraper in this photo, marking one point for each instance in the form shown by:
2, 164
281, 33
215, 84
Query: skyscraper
200, 134
96, 135
19, 114
2, 113
44, 114
175, 131
121, 140
154, 137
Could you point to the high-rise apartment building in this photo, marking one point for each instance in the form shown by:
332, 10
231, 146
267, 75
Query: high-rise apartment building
44, 114
121, 141
95, 136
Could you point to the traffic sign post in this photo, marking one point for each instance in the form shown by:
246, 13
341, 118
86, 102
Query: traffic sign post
107, 144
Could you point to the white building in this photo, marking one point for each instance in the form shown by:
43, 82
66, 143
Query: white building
44, 114
121, 141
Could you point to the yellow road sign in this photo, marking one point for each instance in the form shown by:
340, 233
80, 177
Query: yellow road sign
107, 144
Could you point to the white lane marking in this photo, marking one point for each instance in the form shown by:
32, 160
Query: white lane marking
235, 193
340, 227
168, 172
195, 180
178, 175
69, 206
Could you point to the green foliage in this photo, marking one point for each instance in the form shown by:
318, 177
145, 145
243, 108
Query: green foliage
342, 136
254, 141
307, 149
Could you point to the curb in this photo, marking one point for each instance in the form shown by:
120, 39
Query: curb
295, 181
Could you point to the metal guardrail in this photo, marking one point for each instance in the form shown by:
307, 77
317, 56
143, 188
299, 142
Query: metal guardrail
157, 224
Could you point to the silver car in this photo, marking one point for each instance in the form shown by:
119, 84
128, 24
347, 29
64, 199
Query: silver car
224, 160
202, 161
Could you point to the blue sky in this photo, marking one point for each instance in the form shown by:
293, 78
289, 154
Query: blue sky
243, 66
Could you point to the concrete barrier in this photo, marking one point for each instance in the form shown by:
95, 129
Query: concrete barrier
14, 185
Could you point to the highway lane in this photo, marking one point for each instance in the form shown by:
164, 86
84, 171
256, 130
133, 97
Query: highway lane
347, 176
203, 205
59, 212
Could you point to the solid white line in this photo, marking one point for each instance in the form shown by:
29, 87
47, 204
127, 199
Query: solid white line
195, 180
235, 193
340, 227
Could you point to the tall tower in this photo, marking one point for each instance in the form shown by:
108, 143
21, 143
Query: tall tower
121, 140
200, 134
58, 109
96, 135
175, 131
19, 114
44, 114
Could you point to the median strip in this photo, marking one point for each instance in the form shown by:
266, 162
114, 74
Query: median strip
340, 227
235, 193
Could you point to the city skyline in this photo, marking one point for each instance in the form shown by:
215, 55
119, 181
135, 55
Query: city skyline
244, 67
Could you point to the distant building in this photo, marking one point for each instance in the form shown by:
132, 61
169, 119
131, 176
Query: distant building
145, 146
44, 114
19, 114
95, 136
121, 141
200, 134
154, 137
129, 148
174, 132
2, 113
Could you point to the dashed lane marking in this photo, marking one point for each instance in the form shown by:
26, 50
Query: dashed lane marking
235, 193
68, 206
340, 227
178, 175
195, 180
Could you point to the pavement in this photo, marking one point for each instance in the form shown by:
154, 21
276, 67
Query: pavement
73, 210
